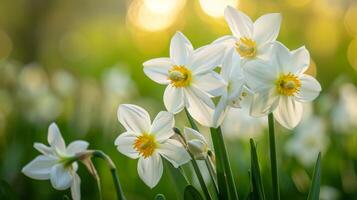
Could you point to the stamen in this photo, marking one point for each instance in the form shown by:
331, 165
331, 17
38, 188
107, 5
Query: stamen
180, 76
145, 144
288, 84
246, 47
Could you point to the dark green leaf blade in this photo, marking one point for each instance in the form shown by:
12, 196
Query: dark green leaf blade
191, 193
316, 180
257, 184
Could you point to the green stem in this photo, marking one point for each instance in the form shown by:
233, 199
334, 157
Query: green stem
273, 160
192, 122
221, 176
227, 166
212, 173
200, 177
113, 170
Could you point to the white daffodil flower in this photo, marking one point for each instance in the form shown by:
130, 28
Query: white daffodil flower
250, 40
149, 142
232, 74
344, 113
281, 86
196, 143
52, 164
308, 141
190, 77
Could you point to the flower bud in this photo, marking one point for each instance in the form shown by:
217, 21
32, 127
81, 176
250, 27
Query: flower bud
198, 148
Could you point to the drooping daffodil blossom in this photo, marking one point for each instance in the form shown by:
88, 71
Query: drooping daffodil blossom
250, 40
53, 164
232, 74
281, 86
196, 143
189, 76
149, 142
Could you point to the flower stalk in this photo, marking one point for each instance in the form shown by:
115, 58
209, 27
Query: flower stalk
273, 160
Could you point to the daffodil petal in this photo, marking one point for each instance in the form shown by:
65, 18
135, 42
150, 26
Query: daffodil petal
206, 58
289, 112
61, 177
300, 60
212, 83
125, 144
180, 49
150, 169
42, 148
220, 111
76, 187
282, 58
239, 23
266, 28
174, 152
157, 69
310, 89
162, 126
77, 146
134, 118
174, 99
55, 138
264, 102
191, 134
265, 51
199, 105
260, 74
40, 167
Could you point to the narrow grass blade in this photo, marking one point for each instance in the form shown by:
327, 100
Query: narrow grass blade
191, 193
316, 179
257, 184
273, 160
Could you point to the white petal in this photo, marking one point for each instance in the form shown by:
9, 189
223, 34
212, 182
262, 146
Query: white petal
231, 65
265, 51
125, 144
282, 58
239, 23
174, 152
264, 102
77, 146
227, 40
206, 58
212, 83
191, 134
220, 111
180, 49
199, 105
266, 28
44, 149
150, 169
157, 69
40, 167
55, 138
289, 112
162, 126
76, 187
134, 118
300, 60
310, 89
174, 99
61, 177
260, 74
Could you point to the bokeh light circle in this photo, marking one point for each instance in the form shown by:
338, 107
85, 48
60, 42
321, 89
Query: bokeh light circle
215, 8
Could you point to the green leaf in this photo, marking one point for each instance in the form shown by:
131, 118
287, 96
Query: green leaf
191, 193
316, 179
5, 191
177, 177
257, 183
160, 197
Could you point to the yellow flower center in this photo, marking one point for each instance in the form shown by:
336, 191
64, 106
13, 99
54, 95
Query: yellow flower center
288, 84
246, 47
180, 76
145, 144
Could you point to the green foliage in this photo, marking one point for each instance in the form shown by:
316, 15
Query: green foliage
160, 197
316, 179
257, 183
191, 193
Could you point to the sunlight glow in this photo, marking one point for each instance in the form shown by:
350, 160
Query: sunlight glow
215, 8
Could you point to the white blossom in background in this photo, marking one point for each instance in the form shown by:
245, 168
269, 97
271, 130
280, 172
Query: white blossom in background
280, 85
309, 139
189, 76
251, 40
344, 113
64, 83
232, 74
239, 124
52, 163
196, 143
149, 142
329, 193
